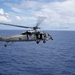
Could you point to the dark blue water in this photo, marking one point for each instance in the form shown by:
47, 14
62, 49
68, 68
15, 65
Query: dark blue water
56, 57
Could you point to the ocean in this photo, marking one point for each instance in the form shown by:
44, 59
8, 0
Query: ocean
56, 57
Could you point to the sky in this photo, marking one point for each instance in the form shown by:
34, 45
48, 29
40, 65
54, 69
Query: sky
58, 14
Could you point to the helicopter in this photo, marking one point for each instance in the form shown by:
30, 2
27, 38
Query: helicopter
29, 35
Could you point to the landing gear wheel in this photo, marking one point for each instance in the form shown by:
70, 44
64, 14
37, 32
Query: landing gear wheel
5, 45
44, 41
37, 42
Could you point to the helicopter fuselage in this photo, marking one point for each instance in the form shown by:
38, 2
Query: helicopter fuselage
28, 36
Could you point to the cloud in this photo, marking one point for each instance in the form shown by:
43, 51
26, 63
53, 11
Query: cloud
16, 10
4, 16
29, 4
1, 11
60, 14
18, 18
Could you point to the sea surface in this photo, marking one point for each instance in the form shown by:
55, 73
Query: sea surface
56, 57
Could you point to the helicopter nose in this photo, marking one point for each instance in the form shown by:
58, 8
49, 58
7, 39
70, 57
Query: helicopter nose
50, 37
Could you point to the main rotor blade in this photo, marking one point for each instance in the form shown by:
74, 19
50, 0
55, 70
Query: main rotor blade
40, 20
15, 25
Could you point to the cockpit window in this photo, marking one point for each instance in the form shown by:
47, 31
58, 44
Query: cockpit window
29, 33
23, 33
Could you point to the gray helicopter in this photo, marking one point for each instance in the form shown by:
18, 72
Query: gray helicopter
28, 35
